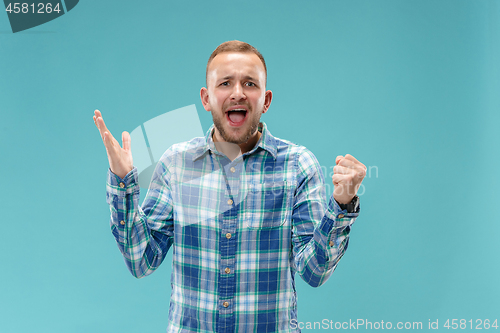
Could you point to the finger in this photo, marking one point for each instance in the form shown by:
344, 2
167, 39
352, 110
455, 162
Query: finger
338, 159
335, 179
97, 113
101, 126
357, 171
126, 140
352, 158
345, 162
341, 179
349, 157
107, 138
112, 146
350, 161
103, 130
338, 169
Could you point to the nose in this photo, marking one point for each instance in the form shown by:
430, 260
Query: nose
237, 93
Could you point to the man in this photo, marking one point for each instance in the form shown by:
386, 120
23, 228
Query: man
242, 210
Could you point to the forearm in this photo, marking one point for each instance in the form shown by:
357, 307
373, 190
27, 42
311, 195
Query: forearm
319, 248
142, 247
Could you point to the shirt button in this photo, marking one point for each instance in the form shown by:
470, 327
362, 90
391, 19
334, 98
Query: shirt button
122, 222
225, 304
230, 202
232, 169
122, 185
227, 270
340, 216
228, 235
331, 243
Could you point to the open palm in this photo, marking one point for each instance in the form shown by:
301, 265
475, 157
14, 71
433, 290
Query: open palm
120, 159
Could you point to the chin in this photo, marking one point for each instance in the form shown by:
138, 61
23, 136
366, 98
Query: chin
238, 135
237, 140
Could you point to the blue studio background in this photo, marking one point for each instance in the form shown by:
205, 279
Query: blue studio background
410, 88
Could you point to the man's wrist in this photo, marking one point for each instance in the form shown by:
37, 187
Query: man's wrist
352, 206
129, 180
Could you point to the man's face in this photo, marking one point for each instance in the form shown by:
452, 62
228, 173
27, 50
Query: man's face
236, 95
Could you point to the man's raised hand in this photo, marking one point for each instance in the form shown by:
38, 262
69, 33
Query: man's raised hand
120, 159
348, 173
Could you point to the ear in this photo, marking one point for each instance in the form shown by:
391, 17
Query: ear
267, 100
205, 99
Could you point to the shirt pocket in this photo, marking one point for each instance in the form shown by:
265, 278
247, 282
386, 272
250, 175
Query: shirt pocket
267, 205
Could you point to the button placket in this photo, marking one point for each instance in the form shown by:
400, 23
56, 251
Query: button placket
229, 221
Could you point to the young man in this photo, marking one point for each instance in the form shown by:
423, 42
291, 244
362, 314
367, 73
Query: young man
242, 210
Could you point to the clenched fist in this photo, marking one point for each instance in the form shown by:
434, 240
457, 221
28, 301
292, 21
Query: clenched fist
348, 173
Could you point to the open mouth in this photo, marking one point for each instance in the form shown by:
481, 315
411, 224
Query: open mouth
236, 117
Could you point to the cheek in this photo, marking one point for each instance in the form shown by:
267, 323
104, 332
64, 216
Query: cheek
259, 100
216, 99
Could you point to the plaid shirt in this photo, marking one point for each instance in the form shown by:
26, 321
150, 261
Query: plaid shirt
239, 231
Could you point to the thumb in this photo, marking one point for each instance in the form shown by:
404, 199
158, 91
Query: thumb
126, 140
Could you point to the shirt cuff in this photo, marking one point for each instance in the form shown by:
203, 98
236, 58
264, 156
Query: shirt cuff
340, 217
336, 227
118, 186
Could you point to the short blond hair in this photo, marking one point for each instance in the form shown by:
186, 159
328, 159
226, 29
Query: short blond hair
235, 46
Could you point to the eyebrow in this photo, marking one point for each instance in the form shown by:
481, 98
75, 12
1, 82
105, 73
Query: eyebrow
247, 77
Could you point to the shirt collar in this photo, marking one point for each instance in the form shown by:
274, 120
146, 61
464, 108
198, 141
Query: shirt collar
266, 142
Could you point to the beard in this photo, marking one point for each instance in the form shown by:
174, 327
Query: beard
252, 123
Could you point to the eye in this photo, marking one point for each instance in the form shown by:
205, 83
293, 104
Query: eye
225, 83
250, 84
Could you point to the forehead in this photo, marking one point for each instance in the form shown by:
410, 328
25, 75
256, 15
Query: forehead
236, 64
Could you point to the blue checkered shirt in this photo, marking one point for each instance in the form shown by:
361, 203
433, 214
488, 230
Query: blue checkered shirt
239, 230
